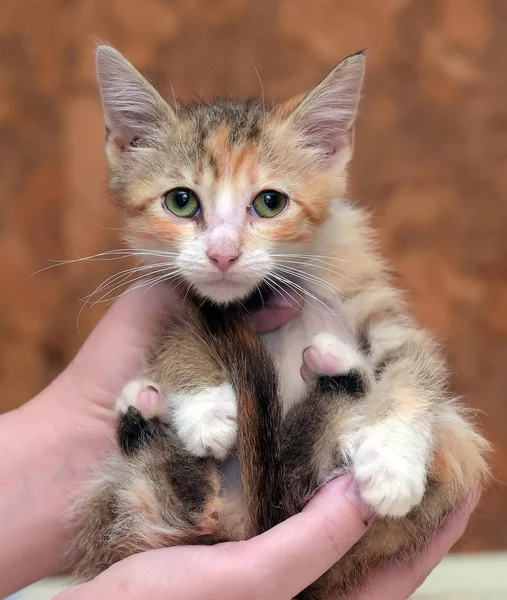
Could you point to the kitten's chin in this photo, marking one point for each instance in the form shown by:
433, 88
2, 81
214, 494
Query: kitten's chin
224, 292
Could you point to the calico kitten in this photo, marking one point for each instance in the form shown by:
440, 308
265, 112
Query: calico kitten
243, 196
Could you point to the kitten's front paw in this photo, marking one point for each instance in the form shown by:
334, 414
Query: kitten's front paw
328, 355
207, 421
143, 395
390, 469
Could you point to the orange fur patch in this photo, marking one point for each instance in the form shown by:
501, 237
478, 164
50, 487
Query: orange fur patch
218, 152
137, 210
290, 230
245, 160
314, 211
163, 228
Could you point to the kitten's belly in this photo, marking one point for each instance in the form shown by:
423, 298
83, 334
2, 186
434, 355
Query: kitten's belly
288, 343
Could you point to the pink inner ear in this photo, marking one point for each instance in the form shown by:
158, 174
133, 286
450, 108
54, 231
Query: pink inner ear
326, 116
327, 136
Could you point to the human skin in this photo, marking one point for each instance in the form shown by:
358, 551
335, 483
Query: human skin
52, 444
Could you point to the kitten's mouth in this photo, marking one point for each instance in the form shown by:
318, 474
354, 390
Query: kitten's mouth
251, 293
263, 296
230, 287
223, 291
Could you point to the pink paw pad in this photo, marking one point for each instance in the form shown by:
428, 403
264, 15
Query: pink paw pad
315, 363
149, 402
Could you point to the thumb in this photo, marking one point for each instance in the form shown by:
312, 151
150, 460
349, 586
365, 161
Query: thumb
295, 553
114, 351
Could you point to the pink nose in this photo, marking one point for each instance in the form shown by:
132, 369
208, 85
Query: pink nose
223, 260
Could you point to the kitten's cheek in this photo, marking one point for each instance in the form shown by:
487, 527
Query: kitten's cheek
273, 317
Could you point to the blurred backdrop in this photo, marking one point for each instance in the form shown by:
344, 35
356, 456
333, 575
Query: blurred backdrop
431, 156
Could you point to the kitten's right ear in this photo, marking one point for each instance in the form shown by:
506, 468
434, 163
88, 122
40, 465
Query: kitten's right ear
134, 111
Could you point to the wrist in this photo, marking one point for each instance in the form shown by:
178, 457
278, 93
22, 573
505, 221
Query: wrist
49, 448
31, 500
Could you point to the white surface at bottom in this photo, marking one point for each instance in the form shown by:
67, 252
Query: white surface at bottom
458, 577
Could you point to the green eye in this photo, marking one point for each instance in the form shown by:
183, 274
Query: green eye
269, 204
182, 203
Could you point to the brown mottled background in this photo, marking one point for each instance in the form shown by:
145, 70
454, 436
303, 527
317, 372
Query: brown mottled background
431, 162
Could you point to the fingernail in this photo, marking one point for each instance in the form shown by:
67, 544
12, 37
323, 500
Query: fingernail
352, 493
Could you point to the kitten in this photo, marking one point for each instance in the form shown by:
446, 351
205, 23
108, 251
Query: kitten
238, 197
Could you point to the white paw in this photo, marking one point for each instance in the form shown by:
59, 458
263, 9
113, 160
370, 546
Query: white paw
207, 421
389, 466
144, 395
329, 355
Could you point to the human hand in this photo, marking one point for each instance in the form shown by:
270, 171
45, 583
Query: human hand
400, 582
55, 441
276, 565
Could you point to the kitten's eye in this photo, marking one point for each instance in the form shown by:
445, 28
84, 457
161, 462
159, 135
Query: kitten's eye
182, 203
269, 203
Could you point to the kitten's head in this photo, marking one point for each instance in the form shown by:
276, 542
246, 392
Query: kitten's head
223, 190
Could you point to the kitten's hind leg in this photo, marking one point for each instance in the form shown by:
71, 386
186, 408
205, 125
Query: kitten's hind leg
317, 432
385, 455
336, 363
145, 396
139, 403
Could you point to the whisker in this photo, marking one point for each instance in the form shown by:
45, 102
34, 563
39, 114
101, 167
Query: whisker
123, 275
310, 278
295, 287
316, 256
260, 296
205, 73
107, 255
109, 301
310, 263
263, 103
163, 278
165, 269
282, 292
317, 266
186, 294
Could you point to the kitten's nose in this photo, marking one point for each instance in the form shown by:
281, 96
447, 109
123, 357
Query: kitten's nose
223, 260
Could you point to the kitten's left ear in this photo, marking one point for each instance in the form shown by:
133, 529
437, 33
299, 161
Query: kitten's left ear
325, 117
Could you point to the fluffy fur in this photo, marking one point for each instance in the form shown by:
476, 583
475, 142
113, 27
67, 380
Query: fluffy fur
351, 384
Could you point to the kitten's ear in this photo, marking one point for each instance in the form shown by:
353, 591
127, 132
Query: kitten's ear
325, 117
134, 111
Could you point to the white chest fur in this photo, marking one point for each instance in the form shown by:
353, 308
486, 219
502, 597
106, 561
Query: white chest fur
288, 343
